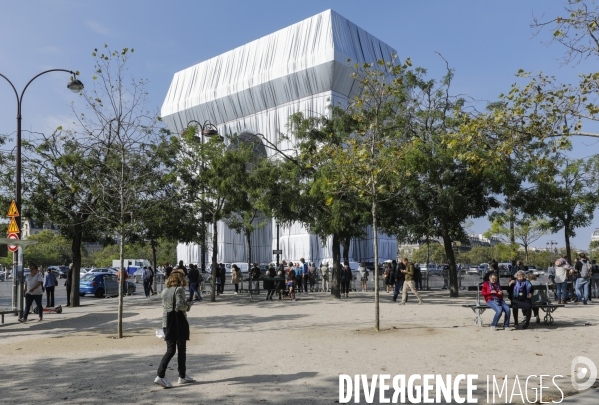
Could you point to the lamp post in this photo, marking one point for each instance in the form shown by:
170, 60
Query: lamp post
206, 130
75, 86
551, 243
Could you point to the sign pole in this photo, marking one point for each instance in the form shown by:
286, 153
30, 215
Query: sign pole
13, 230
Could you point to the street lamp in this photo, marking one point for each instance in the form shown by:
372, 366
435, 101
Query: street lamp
75, 86
208, 130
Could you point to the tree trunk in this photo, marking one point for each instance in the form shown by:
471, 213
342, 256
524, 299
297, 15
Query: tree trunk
214, 262
453, 274
376, 266
122, 284
153, 245
346, 243
248, 239
526, 253
568, 251
76, 252
336, 274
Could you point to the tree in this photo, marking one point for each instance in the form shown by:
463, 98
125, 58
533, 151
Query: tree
372, 125
246, 215
567, 195
441, 189
60, 181
124, 142
50, 250
302, 192
526, 231
577, 30
211, 170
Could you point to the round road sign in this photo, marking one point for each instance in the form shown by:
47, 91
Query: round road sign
13, 248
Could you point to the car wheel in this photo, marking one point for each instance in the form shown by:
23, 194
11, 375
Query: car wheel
99, 293
82, 294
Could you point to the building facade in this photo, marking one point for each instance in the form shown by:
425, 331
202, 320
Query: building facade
254, 89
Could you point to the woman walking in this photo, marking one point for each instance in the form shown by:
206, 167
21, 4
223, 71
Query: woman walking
176, 335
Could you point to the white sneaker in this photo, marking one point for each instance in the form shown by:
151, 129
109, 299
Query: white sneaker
185, 380
163, 382
235, 293
420, 302
493, 328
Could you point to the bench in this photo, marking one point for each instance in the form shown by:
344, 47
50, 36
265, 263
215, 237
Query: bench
546, 306
479, 309
2, 313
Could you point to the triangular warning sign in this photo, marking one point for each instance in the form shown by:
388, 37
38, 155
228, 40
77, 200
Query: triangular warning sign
12, 211
13, 228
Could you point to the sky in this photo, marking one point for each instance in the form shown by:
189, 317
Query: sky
485, 42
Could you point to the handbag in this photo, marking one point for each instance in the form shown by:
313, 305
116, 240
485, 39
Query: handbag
177, 327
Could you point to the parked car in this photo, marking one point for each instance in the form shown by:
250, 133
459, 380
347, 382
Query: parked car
62, 270
1, 276
432, 269
99, 284
102, 270
102, 284
483, 268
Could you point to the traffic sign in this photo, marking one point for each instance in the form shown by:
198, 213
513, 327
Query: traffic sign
13, 211
13, 248
277, 252
13, 228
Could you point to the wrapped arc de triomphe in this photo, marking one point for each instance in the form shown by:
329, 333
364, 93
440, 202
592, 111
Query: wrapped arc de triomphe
255, 88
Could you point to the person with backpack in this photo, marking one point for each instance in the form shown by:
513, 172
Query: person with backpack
345, 278
594, 280
583, 267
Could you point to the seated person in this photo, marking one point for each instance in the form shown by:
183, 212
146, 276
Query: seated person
521, 297
494, 299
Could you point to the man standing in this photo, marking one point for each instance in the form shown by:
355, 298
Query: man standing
399, 275
194, 276
583, 267
147, 279
255, 273
222, 275
595, 279
49, 284
324, 270
68, 283
305, 274
409, 282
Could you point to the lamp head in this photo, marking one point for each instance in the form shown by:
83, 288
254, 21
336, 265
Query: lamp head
75, 86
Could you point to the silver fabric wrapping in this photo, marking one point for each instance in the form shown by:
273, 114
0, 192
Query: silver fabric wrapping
255, 88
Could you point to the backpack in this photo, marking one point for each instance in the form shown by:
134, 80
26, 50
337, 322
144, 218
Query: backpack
585, 270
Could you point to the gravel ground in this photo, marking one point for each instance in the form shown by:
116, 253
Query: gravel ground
277, 352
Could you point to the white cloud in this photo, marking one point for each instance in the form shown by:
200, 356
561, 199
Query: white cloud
99, 28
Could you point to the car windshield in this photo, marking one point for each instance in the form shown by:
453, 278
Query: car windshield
88, 277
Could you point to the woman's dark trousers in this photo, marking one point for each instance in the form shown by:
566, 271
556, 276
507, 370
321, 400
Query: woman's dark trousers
171, 347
